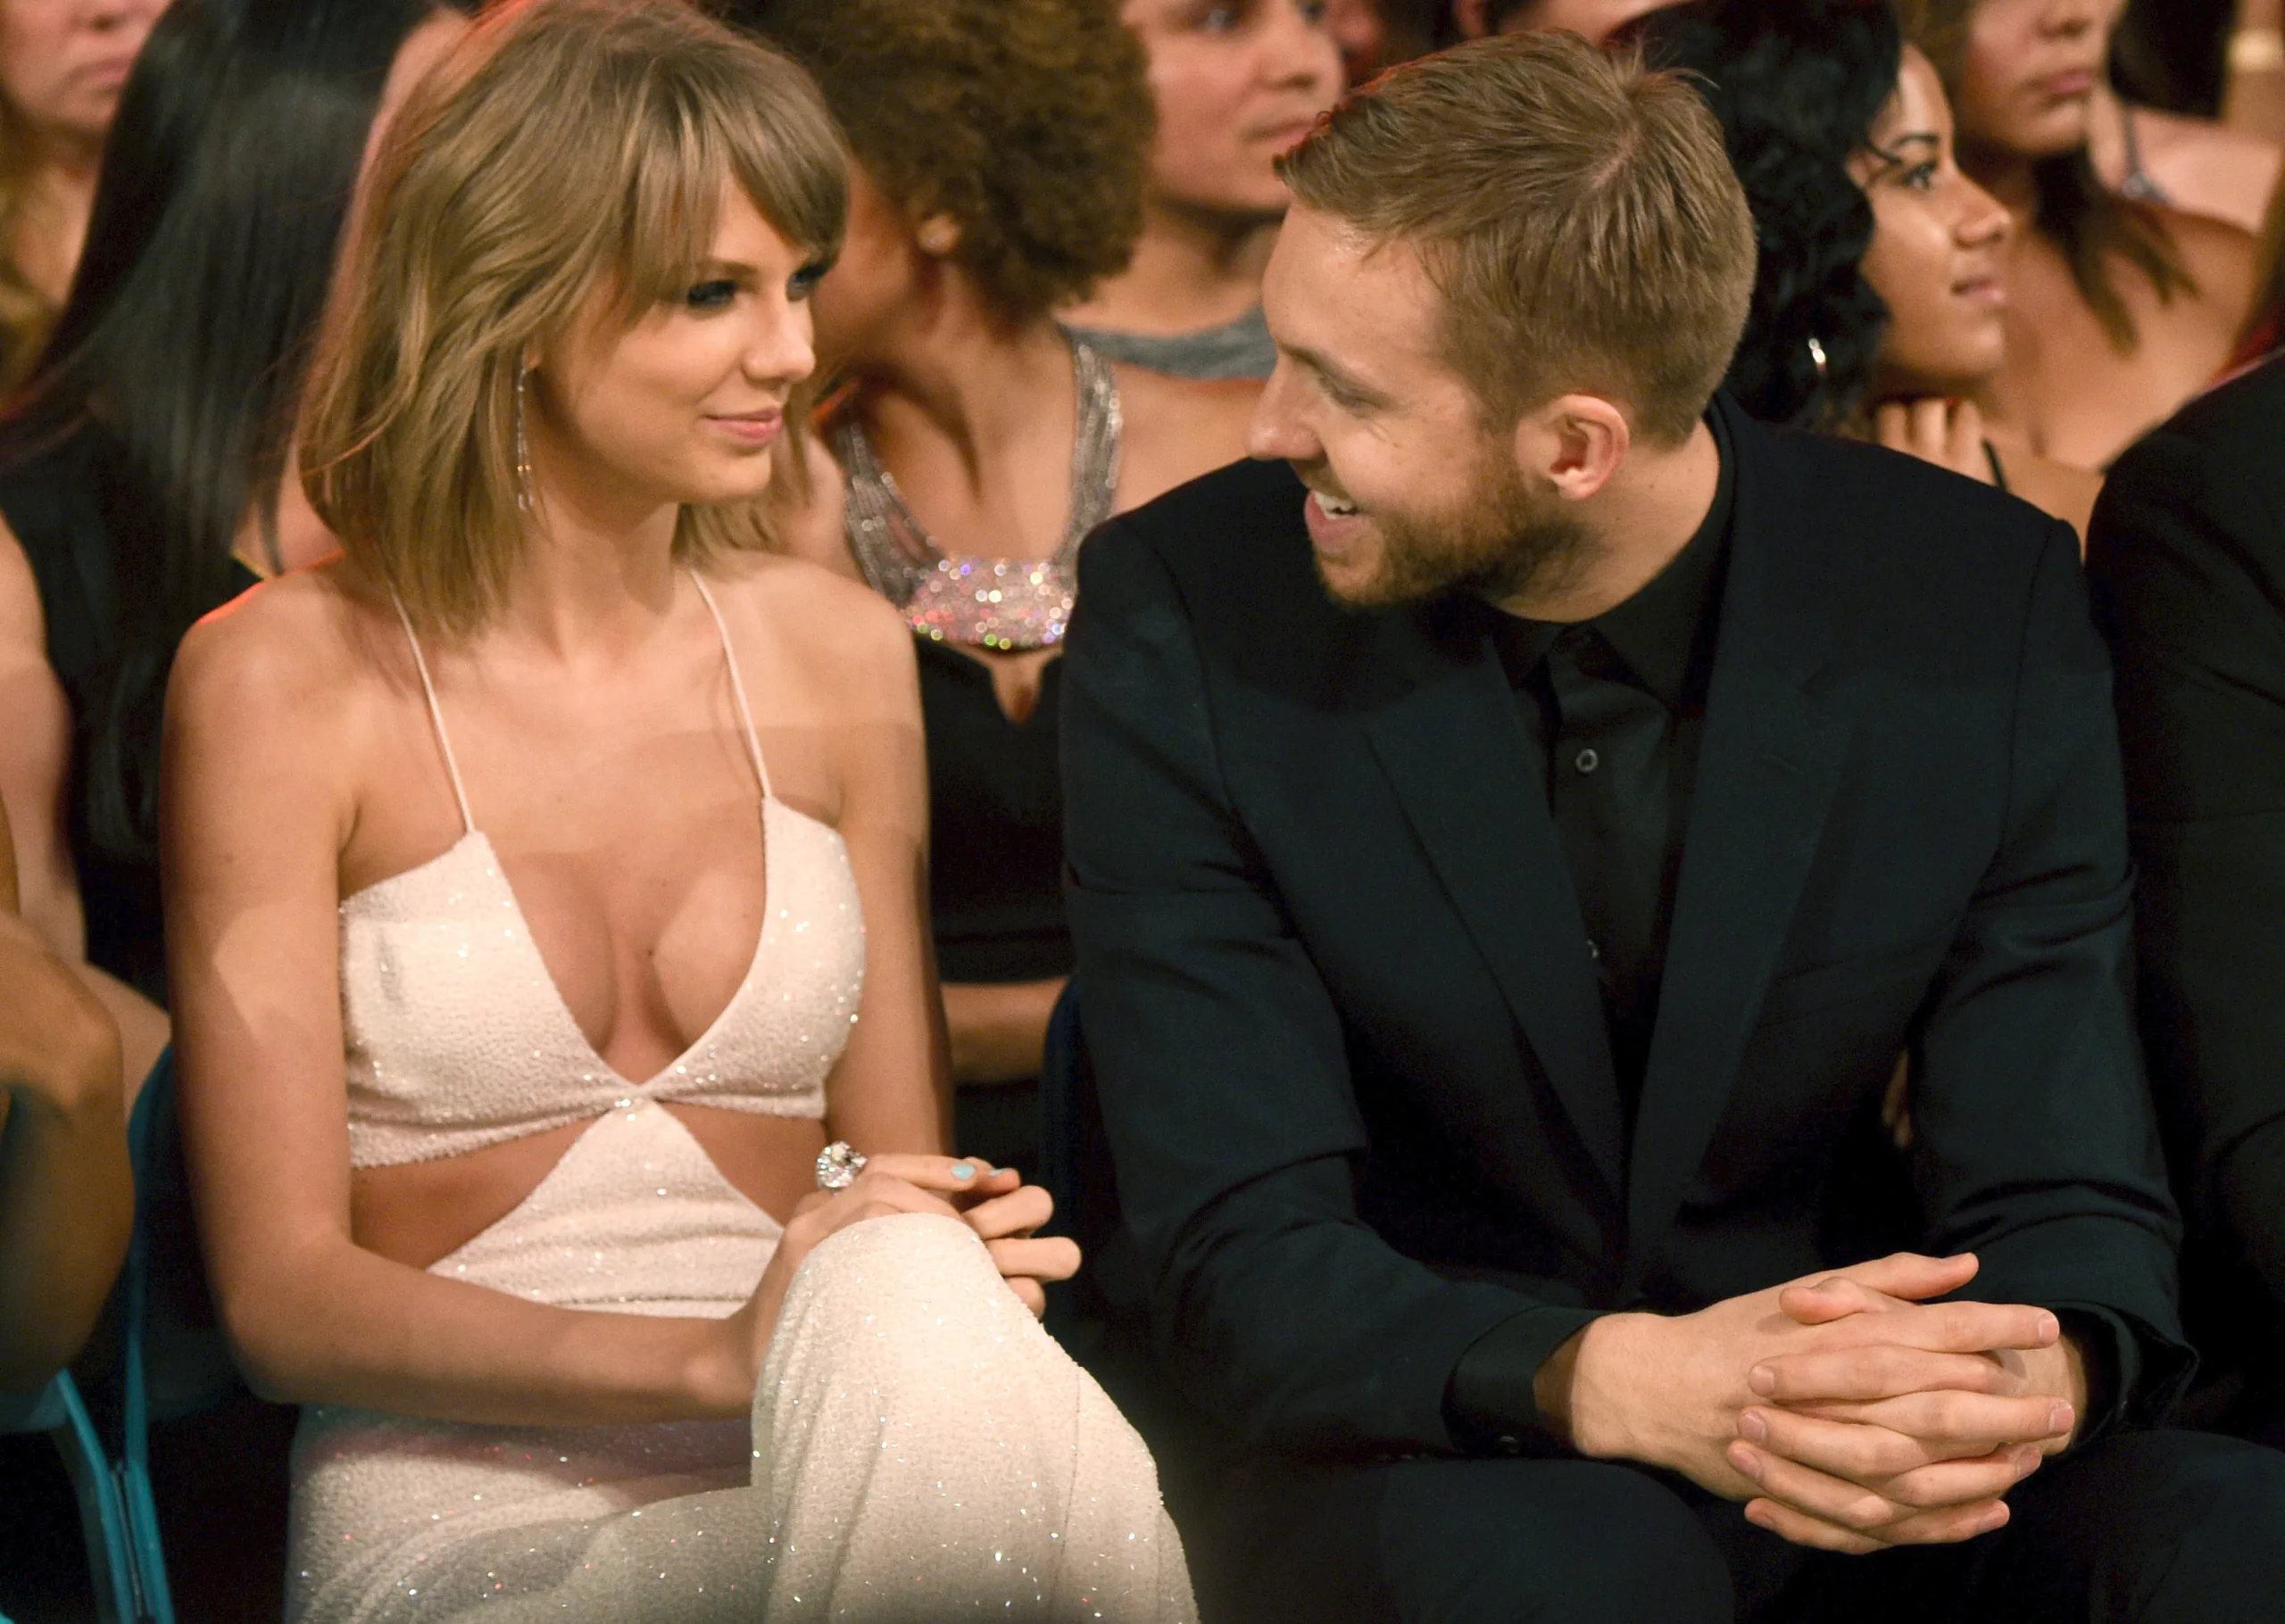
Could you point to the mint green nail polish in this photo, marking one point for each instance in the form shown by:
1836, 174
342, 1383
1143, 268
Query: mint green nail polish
963, 1171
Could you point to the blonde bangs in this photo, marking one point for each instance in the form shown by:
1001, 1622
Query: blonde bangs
480, 240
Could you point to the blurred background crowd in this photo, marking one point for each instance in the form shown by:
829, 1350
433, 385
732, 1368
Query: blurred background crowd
2009, 237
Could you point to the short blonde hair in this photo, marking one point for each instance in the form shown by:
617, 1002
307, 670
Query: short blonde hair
1576, 212
566, 146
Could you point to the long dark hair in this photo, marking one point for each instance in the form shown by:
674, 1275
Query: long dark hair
2089, 221
1797, 85
217, 222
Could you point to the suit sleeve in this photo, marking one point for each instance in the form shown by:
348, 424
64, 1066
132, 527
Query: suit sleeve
2035, 1146
1221, 1062
2188, 557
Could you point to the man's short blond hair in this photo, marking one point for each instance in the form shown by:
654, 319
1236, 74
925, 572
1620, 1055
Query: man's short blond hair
1577, 211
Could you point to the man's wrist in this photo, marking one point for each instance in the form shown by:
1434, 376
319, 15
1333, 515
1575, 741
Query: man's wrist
1585, 1391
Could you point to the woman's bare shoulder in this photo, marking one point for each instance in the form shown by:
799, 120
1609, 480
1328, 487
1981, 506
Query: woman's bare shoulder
291, 652
833, 628
1177, 428
2211, 169
2221, 259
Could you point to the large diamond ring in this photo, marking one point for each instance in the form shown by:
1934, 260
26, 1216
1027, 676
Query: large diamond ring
838, 1165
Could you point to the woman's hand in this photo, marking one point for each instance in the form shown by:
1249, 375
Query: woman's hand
1948, 433
994, 1202
1009, 1223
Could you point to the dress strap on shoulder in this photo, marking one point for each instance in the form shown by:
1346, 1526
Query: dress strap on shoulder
435, 715
737, 685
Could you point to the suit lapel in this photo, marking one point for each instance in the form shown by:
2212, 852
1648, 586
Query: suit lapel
1456, 753
1769, 763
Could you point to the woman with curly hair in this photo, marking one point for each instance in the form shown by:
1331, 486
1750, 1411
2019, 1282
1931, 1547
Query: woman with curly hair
1000, 153
1878, 302
2119, 310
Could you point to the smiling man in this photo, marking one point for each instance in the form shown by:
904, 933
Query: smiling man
1514, 827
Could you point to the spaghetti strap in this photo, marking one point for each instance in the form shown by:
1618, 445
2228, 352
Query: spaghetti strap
435, 715
738, 686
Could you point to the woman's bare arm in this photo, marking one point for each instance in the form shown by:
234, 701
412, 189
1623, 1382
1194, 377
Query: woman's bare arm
34, 773
892, 1090
67, 1199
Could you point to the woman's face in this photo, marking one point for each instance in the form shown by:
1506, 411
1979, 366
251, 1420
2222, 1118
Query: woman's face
1238, 83
63, 63
688, 405
873, 281
2029, 72
1938, 245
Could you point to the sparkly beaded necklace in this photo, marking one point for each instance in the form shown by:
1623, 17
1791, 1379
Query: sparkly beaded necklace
967, 598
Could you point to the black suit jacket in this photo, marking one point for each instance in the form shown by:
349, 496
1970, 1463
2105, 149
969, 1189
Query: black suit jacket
1345, 1026
2188, 557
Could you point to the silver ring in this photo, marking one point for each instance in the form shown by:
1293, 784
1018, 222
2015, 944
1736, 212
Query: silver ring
838, 1165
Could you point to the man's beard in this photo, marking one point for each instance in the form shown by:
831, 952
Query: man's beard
1503, 541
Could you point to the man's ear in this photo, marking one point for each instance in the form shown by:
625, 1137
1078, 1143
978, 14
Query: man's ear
1576, 442
1473, 16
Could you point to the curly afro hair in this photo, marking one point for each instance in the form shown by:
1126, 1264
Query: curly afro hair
1028, 122
1797, 85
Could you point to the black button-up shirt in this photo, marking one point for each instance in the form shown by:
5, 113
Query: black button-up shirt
1614, 708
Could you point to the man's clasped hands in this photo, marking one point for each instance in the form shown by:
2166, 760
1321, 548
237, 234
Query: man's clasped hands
1849, 1409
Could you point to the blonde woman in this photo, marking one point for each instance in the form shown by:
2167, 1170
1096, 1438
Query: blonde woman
593, 845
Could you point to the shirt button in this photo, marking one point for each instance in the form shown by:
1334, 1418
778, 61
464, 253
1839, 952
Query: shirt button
1586, 762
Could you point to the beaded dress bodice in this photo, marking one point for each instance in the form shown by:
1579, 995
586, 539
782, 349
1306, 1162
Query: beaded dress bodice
456, 1037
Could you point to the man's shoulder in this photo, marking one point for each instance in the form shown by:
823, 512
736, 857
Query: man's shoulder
1878, 546
2235, 421
1237, 521
1231, 547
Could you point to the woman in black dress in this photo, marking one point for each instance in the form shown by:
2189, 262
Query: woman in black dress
1000, 150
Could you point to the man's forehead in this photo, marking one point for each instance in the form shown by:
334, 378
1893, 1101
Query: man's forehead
1336, 291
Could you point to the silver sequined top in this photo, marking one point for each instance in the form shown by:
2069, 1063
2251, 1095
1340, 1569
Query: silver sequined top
967, 598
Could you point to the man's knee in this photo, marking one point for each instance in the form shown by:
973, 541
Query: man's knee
1552, 1539
2171, 1528
1478, 1542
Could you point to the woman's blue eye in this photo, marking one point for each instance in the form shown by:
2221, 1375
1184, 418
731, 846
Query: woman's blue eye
1921, 178
804, 281
1221, 19
712, 296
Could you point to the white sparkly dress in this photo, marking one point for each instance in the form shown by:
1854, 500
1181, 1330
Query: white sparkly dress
918, 1448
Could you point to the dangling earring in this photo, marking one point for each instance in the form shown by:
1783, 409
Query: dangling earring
1816, 357
523, 448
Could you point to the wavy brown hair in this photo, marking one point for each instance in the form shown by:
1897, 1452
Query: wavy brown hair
2093, 225
1028, 122
566, 148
